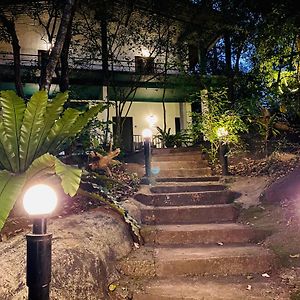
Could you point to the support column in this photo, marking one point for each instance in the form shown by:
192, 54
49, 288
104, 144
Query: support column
183, 115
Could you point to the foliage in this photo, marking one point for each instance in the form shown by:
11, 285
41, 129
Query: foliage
29, 135
171, 140
98, 187
218, 124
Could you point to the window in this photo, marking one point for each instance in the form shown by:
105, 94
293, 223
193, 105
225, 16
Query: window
144, 65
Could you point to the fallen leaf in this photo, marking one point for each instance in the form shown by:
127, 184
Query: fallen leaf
112, 287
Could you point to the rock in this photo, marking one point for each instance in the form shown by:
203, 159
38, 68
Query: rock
285, 188
84, 250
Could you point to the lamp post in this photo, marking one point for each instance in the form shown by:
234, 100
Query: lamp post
147, 134
39, 201
222, 133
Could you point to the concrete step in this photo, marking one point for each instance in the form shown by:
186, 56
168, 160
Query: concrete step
187, 188
197, 288
188, 198
179, 157
191, 214
199, 172
197, 234
176, 164
181, 150
189, 261
188, 179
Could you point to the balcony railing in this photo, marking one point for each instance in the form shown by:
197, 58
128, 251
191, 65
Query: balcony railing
138, 143
32, 60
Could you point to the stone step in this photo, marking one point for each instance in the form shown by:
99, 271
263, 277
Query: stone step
181, 150
199, 172
189, 261
187, 188
199, 179
188, 198
197, 234
191, 214
179, 157
175, 164
196, 288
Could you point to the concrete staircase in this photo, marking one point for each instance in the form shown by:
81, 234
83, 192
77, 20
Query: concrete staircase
193, 248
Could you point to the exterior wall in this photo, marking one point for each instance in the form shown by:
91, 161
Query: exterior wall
31, 37
141, 111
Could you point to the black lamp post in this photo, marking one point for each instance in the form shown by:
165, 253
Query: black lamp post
39, 201
147, 134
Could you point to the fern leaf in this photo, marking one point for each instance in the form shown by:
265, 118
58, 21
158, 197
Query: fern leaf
80, 123
10, 189
5, 150
13, 110
33, 121
70, 177
53, 111
59, 131
43, 165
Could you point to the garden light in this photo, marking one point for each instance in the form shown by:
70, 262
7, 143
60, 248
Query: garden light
147, 134
39, 201
222, 133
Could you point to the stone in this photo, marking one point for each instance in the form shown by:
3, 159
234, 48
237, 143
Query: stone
84, 250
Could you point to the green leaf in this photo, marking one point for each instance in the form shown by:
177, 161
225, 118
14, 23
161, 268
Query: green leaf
12, 110
53, 111
80, 123
59, 131
10, 189
5, 150
33, 121
70, 177
43, 165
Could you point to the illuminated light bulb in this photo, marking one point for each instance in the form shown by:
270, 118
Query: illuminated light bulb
147, 133
222, 132
40, 200
151, 120
145, 52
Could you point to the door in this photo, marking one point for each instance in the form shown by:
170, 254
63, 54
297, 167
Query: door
127, 133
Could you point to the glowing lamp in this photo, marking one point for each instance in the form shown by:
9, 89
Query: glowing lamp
147, 133
151, 120
40, 200
145, 52
222, 132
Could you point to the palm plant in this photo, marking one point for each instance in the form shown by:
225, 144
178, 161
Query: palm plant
30, 135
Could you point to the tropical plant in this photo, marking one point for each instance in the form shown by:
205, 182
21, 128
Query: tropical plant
171, 140
30, 135
218, 124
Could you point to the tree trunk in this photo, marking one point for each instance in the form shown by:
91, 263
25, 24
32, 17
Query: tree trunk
11, 29
45, 80
64, 57
228, 68
104, 49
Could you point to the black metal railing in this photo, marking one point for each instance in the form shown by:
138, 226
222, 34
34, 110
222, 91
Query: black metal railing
85, 63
